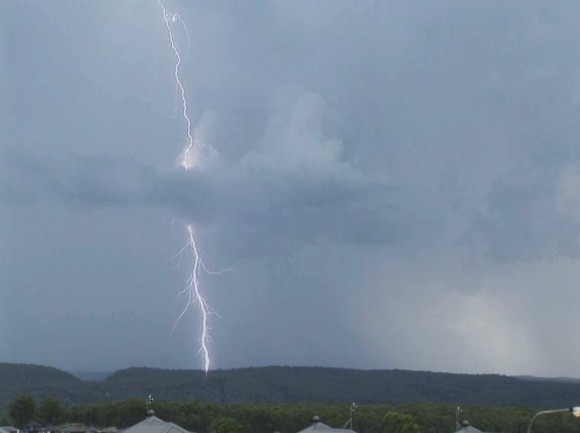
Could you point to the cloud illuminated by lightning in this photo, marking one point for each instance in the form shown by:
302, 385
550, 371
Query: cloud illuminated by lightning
192, 291
187, 157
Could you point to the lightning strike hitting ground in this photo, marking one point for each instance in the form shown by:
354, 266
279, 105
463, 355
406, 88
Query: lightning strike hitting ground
192, 291
194, 296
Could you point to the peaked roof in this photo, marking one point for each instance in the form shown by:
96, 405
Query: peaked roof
320, 426
152, 424
468, 429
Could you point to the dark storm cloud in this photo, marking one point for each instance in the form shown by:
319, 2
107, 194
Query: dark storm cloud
386, 177
523, 221
327, 198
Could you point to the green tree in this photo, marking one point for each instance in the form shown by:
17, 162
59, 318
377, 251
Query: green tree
22, 410
4, 419
51, 412
395, 422
224, 424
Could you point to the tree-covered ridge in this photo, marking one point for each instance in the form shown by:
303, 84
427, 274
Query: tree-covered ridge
37, 380
274, 385
27, 374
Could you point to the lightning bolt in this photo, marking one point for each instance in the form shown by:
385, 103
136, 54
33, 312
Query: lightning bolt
194, 297
192, 290
187, 158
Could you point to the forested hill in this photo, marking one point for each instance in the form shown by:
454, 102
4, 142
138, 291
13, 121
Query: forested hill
37, 380
288, 385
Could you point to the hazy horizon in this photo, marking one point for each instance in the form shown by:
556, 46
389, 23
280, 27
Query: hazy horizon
106, 373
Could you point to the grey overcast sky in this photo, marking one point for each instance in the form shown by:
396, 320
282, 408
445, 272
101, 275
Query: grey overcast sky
396, 184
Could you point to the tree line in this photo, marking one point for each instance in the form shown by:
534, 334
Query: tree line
205, 417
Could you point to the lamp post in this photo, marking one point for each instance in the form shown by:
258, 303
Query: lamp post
574, 410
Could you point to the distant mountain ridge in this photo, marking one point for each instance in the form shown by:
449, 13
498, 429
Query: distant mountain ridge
288, 385
91, 376
550, 379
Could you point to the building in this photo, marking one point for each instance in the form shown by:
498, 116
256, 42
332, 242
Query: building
318, 426
468, 428
32, 427
152, 424
71, 428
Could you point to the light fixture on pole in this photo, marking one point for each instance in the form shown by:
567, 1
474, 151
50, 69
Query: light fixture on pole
575, 410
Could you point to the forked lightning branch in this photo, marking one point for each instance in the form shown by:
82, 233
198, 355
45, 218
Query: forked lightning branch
192, 291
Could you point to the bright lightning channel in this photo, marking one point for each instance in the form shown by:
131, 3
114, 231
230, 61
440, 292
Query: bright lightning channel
187, 159
192, 291
194, 296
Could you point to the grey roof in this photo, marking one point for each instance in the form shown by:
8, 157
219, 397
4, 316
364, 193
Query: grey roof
72, 429
320, 426
152, 424
8, 429
468, 429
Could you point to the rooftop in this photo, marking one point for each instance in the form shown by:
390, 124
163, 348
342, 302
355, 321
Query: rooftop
152, 424
317, 425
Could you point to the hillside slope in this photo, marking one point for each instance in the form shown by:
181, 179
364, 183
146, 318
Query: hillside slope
37, 381
317, 384
288, 385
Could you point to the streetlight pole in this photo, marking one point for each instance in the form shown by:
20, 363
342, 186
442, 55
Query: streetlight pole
457, 413
574, 410
353, 406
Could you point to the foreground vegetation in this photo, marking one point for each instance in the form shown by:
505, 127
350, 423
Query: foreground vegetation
289, 418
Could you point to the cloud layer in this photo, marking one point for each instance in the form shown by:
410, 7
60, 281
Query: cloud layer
385, 179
